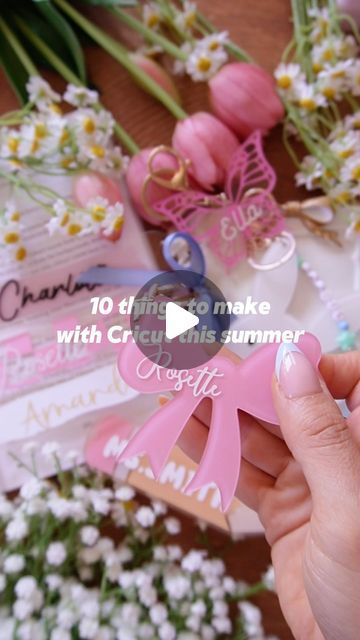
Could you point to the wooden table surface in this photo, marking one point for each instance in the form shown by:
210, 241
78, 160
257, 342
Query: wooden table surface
261, 27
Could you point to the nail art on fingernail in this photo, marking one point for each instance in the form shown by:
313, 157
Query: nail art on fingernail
295, 373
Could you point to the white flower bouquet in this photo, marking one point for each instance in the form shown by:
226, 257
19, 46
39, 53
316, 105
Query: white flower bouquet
82, 559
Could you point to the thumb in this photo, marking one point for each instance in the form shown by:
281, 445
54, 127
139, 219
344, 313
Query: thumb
315, 430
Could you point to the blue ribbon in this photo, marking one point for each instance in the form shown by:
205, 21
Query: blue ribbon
194, 274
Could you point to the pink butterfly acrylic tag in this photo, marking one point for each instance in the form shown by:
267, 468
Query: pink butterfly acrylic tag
232, 224
230, 387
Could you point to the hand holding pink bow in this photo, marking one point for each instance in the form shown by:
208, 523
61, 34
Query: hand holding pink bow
231, 387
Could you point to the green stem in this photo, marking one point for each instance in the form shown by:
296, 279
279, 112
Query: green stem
352, 102
149, 34
18, 48
121, 55
126, 140
259, 587
300, 23
69, 76
343, 17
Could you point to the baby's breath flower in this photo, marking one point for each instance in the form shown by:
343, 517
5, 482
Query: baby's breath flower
29, 447
56, 554
50, 449
172, 526
60, 634
89, 535
268, 578
14, 563
158, 614
17, 529
251, 616
125, 493
167, 631
54, 581
145, 516
26, 587
6, 508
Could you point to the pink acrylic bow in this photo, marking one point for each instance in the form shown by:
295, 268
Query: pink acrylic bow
233, 223
231, 387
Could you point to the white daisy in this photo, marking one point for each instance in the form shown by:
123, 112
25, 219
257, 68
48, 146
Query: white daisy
310, 174
308, 98
186, 19
41, 93
114, 219
287, 76
353, 77
80, 96
350, 171
202, 65
151, 15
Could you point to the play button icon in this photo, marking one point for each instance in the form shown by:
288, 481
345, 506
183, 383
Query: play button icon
173, 321
178, 320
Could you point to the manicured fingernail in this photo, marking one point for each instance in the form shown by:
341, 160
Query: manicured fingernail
296, 375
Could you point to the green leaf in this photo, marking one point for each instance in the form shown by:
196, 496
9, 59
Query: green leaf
14, 70
66, 32
44, 30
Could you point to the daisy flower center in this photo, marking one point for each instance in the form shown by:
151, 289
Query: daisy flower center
328, 92
65, 219
190, 19
98, 151
204, 64
98, 213
118, 223
40, 130
308, 103
284, 82
88, 125
12, 237
13, 144
153, 21
346, 153
74, 229
20, 254
355, 174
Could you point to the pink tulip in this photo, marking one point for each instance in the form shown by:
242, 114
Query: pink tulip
136, 174
351, 7
208, 144
157, 73
88, 186
244, 97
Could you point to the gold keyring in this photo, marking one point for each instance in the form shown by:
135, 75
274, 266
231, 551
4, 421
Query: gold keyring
277, 263
174, 180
